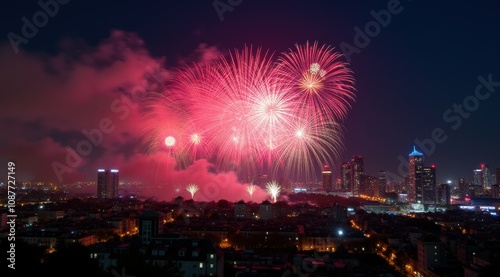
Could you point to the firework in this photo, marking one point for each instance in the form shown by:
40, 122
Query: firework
251, 189
247, 111
192, 188
273, 190
322, 82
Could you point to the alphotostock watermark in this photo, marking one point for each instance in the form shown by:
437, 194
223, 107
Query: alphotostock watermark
39, 19
454, 117
121, 107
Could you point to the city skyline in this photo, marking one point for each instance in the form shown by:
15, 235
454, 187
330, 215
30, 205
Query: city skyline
415, 84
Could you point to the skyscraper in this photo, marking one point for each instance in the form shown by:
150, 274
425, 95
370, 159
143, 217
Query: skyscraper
443, 194
107, 183
482, 177
382, 183
327, 178
416, 164
357, 170
345, 176
498, 176
463, 188
429, 185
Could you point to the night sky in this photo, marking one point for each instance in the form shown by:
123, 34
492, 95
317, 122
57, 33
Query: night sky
408, 75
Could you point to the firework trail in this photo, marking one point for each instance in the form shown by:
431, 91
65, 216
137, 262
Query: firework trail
273, 190
250, 112
192, 188
251, 189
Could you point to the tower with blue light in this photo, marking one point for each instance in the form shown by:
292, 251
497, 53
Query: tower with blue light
416, 165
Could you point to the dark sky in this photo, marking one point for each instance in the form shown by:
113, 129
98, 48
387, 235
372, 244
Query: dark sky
425, 60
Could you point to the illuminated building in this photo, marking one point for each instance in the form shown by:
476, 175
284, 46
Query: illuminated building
463, 188
443, 194
416, 164
107, 183
345, 178
357, 170
429, 185
482, 177
327, 178
382, 183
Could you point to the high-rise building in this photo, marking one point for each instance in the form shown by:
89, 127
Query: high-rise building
463, 188
337, 184
382, 184
327, 178
429, 185
416, 164
345, 176
443, 194
498, 176
482, 177
107, 183
357, 170
486, 176
369, 185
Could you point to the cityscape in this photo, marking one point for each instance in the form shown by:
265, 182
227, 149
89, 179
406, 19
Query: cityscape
250, 138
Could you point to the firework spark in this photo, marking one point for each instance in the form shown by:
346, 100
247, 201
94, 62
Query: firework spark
320, 79
273, 190
247, 111
251, 189
192, 188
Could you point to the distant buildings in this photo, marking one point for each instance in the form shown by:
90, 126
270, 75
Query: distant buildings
327, 178
107, 183
351, 175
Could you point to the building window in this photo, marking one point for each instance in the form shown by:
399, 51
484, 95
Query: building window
201, 265
211, 256
181, 253
211, 265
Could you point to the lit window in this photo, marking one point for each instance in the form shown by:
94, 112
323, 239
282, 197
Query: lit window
211, 256
201, 265
211, 265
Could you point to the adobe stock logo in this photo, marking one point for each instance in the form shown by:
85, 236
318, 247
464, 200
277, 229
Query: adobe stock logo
454, 116
29, 30
221, 7
362, 38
